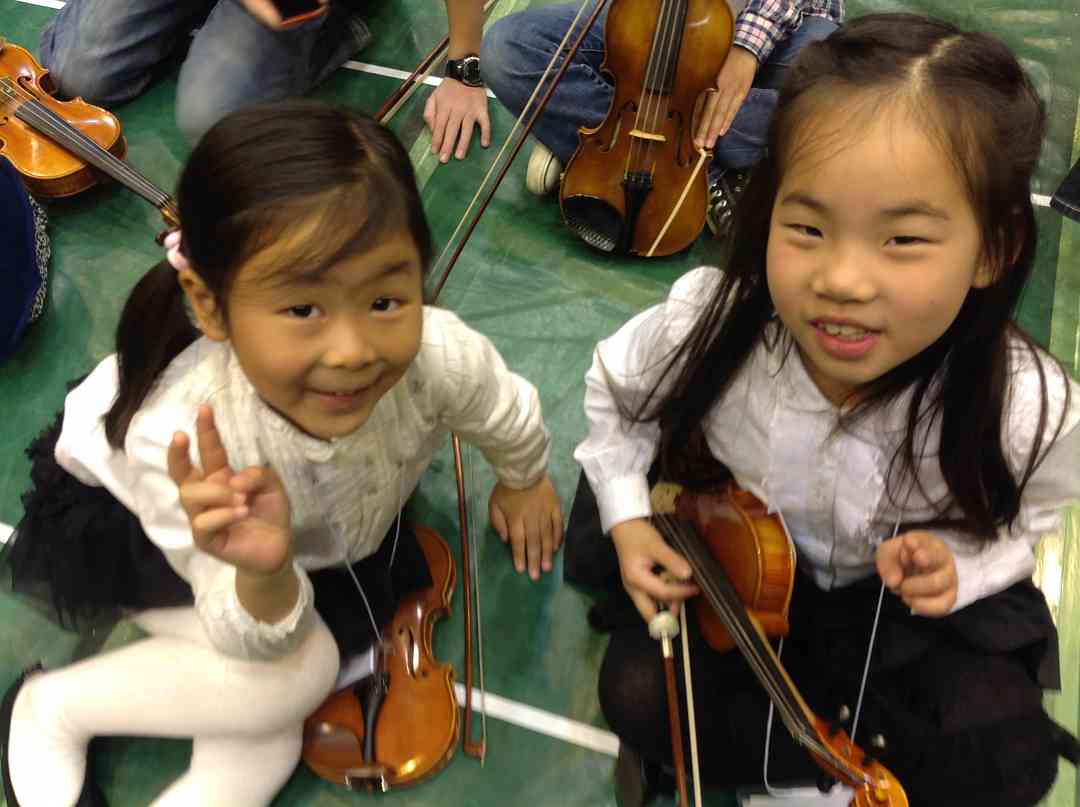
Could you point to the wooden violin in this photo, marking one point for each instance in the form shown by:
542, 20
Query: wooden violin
635, 183
733, 547
401, 725
59, 147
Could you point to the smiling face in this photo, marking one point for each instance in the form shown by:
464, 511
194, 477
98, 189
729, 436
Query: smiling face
322, 347
872, 250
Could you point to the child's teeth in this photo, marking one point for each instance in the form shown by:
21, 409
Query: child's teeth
849, 331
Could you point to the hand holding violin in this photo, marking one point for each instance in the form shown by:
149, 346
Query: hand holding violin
529, 519
733, 84
919, 568
241, 518
643, 557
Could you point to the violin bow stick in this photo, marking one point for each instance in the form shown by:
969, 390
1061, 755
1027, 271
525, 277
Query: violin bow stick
533, 116
418, 76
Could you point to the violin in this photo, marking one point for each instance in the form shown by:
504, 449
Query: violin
635, 183
62, 148
399, 726
734, 547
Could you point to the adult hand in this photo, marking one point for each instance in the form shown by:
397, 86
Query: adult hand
733, 83
920, 569
267, 13
451, 112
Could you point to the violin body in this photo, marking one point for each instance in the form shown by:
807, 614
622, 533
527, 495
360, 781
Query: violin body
752, 547
417, 725
629, 173
743, 559
48, 168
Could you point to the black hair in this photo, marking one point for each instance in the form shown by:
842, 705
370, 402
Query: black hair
251, 177
971, 96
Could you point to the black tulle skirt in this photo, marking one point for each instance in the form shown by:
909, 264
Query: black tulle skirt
82, 558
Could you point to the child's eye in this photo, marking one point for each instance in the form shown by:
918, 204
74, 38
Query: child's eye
385, 304
905, 240
302, 311
806, 230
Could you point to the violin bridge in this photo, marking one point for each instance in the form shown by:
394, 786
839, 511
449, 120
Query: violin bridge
659, 138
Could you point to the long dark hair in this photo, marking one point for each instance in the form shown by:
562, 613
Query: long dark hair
251, 177
972, 97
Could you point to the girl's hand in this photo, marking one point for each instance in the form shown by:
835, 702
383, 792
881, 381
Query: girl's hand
920, 569
240, 518
647, 565
531, 520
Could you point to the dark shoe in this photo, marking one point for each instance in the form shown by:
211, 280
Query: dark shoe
91, 795
725, 190
638, 781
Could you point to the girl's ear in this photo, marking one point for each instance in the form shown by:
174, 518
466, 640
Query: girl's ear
208, 314
985, 274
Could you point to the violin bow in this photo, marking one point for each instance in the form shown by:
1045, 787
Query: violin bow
386, 111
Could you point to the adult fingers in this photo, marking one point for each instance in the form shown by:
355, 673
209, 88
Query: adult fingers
701, 136
452, 133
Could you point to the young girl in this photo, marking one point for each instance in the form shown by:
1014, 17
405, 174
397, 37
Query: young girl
856, 367
319, 390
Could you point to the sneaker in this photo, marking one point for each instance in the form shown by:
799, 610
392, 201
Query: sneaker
544, 171
725, 190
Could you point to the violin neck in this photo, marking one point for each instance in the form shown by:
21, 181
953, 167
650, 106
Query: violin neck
750, 639
43, 120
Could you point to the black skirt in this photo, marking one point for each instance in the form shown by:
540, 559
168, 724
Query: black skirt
83, 558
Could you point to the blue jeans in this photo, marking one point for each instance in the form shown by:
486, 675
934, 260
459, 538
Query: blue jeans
108, 50
518, 47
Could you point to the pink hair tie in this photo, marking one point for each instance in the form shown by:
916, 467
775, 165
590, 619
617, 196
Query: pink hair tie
172, 251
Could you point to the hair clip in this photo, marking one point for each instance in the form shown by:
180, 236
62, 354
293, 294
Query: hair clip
172, 251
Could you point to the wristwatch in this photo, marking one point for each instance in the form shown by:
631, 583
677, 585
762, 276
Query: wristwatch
466, 70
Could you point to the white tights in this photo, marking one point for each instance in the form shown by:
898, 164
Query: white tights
245, 717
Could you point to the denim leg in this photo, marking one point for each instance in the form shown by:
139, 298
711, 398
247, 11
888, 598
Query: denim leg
236, 61
513, 55
741, 147
106, 50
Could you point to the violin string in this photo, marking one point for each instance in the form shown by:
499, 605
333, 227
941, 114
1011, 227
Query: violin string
670, 52
639, 147
743, 636
873, 637
760, 655
49, 123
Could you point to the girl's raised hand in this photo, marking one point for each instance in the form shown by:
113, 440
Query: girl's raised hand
240, 518
647, 565
531, 520
920, 569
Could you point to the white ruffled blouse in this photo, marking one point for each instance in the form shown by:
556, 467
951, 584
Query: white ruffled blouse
775, 431
344, 494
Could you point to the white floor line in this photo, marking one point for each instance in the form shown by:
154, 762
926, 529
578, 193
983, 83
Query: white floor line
393, 72
46, 3
529, 717
5, 532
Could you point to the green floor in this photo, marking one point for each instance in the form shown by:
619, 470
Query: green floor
545, 300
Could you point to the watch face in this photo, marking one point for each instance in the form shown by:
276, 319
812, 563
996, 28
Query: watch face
470, 69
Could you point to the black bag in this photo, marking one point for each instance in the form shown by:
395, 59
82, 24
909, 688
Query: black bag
24, 258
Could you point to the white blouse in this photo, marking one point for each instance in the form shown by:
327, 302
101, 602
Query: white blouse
344, 494
775, 431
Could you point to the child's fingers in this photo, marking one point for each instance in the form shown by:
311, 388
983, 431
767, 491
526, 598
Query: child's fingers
498, 521
199, 495
211, 451
547, 542
534, 549
889, 562
928, 584
932, 606
517, 544
556, 530
178, 459
254, 480
206, 526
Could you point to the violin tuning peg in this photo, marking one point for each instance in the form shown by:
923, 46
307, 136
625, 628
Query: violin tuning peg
843, 714
877, 742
